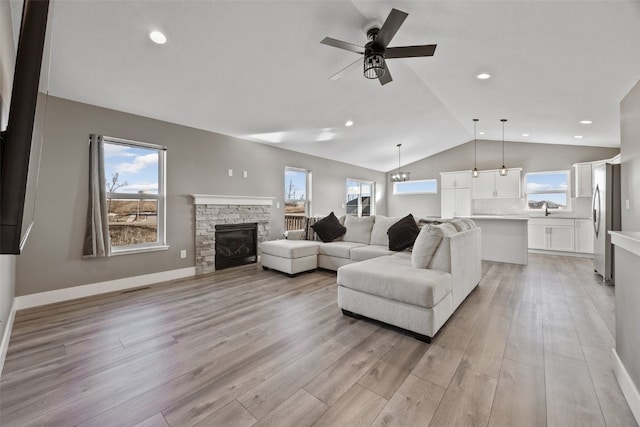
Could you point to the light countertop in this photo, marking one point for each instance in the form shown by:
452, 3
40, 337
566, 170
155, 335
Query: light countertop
629, 240
499, 217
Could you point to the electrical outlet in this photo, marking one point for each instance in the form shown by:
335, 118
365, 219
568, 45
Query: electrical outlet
244, 174
183, 253
230, 172
344, 206
626, 204
277, 205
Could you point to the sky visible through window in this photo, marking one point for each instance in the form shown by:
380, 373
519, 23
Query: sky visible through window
413, 187
295, 184
136, 167
551, 187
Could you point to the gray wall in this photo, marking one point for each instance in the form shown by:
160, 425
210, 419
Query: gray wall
531, 157
7, 63
197, 162
630, 155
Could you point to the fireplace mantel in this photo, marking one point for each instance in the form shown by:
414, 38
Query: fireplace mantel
214, 199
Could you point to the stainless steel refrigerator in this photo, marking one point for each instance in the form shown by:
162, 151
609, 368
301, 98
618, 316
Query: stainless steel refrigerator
606, 216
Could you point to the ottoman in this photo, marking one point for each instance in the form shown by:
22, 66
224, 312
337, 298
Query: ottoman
289, 256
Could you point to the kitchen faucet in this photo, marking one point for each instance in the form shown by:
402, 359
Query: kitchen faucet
546, 209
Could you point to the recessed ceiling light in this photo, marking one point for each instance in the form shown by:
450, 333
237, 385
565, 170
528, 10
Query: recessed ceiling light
348, 123
578, 136
483, 76
525, 134
158, 37
481, 133
585, 122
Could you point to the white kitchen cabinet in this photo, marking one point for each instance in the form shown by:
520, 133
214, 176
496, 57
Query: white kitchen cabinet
583, 173
455, 202
492, 185
537, 236
551, 234
455, 190
584, 236
455, 179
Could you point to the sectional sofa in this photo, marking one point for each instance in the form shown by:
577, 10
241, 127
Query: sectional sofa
415, 290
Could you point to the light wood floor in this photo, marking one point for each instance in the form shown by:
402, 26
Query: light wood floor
246, 347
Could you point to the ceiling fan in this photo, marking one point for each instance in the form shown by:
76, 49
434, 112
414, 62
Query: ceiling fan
376, 51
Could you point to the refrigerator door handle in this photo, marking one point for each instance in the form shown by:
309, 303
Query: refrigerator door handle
596, 210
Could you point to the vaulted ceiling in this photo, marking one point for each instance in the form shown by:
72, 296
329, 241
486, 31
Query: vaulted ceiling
256, 70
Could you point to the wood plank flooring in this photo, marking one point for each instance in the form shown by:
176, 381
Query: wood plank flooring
247, 347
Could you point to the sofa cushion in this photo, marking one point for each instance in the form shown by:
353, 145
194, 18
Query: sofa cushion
379, 231
370, 251
459, 224
394, 278
309, 233
470, 223
425, 246
403, 233
329, 228
358, 229
290, 248
338, 249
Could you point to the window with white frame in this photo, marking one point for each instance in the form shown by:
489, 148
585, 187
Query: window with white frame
360, 197
135, 179
550, 189
297, 197
421, 186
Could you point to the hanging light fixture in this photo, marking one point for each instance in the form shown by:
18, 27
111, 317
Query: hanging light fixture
399, 176
475, 173
503, 169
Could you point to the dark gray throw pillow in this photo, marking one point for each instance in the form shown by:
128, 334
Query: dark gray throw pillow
329, 228
403, 233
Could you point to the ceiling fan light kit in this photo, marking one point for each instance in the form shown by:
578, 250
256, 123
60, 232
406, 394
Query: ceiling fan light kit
399, 176
376, 52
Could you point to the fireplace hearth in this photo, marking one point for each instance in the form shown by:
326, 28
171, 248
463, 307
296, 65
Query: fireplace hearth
236, 244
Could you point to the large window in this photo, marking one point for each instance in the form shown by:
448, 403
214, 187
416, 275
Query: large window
360, 197
550, 189
134, 175
297, 197
422, 186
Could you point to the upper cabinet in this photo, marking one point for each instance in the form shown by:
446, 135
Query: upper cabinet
455, 179
583, 179
455, 194
492, 185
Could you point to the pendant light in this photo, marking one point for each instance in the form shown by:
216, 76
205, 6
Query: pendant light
399, 176
475, 173
503, 169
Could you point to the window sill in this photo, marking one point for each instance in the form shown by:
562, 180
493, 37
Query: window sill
118, 252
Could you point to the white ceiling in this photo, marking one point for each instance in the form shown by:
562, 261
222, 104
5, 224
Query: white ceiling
256, 70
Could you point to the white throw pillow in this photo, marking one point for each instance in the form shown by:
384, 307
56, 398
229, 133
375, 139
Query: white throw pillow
358, 229
380, 227
425, 246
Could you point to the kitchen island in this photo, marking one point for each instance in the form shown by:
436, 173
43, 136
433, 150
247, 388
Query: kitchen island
626, 363
504, 238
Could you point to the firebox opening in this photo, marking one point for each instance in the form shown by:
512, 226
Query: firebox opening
236, 244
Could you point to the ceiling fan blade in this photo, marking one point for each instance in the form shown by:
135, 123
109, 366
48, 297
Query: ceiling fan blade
386, 77
390, 27
343, 45
340, 73
410, 51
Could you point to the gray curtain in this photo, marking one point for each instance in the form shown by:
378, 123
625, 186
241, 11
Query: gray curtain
96, 238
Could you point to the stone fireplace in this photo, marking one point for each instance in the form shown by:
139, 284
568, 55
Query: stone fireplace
212, 210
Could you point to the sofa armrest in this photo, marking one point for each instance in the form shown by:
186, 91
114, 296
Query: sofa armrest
294, 235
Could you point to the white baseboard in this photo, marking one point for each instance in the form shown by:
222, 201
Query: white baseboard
6, 334
50, 297
629, 389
